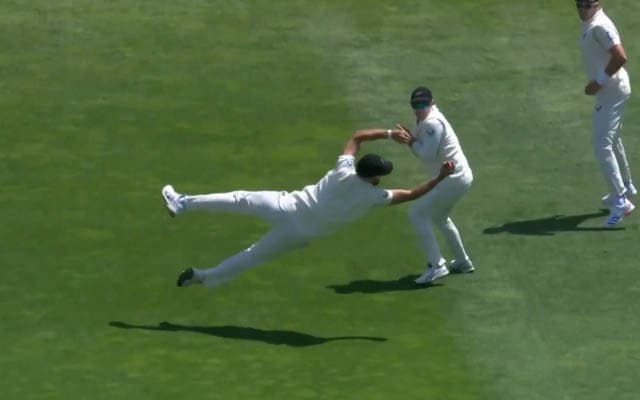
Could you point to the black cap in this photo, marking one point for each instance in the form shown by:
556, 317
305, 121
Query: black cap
421, 94
373, 165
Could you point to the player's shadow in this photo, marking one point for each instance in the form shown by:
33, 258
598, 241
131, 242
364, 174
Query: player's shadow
548, 226
371, 286
278, 337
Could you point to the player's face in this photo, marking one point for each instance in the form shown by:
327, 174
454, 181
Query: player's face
374, 180
421, 110
586, 10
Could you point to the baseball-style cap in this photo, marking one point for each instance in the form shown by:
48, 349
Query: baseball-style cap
586, 3
421, 95
373, 165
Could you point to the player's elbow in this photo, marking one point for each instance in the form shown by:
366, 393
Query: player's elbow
401, 196
623, 59
620, 59
412, 195
357, 136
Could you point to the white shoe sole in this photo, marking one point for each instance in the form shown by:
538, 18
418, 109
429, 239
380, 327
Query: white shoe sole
426, 278
165, 195
629, 209
456, 270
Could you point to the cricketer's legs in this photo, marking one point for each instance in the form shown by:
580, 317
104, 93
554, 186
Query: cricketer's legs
433, 209
607, 146
621, 156
264, 204
280, 239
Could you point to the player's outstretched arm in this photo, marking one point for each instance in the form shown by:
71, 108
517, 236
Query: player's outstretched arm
353, 144
402, 196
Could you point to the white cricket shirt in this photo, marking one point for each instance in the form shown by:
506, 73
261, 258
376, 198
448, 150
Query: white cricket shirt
437, 142
597, 36
340, 197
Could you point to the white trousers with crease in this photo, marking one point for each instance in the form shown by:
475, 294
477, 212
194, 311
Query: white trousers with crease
432, 210
281, 238
607, 144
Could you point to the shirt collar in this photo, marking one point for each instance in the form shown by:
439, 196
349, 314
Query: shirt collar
593, 17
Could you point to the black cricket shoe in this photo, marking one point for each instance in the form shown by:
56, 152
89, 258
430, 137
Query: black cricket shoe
186, 278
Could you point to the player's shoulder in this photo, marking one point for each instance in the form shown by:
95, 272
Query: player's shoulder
606, 33
433, 124
377, 195
603, 21
345, 161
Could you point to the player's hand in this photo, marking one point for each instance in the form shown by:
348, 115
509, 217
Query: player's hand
446, 169
592, 88
401, 136
405, 129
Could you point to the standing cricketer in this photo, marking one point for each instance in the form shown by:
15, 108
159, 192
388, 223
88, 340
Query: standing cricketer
434, 141
604, 58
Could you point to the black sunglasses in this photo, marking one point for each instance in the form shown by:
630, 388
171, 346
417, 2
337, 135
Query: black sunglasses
419, 106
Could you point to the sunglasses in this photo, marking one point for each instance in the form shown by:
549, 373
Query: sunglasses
419, 106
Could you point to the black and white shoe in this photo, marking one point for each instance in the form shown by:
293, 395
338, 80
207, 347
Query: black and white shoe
187, 277
461, 267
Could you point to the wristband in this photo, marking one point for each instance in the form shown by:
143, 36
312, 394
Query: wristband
602, 78
389, 133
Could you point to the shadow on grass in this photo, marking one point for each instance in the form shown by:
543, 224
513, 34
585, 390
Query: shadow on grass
371, 286
548, 226
288, 338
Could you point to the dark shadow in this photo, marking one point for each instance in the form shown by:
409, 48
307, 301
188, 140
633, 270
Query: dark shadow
371, 286
288, 338
548, 226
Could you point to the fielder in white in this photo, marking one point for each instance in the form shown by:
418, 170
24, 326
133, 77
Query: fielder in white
434, 141
604, 58
344, 194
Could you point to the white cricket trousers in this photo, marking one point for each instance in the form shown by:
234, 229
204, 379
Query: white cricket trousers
282, 237
433, 209
607, 144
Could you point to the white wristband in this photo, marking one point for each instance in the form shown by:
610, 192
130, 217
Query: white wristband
388, 133
602, 77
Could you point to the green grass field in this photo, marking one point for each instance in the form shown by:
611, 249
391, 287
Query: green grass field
104, 102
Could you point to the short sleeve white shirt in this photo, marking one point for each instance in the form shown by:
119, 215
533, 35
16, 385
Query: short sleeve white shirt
340, 197
437, 142
597, 36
